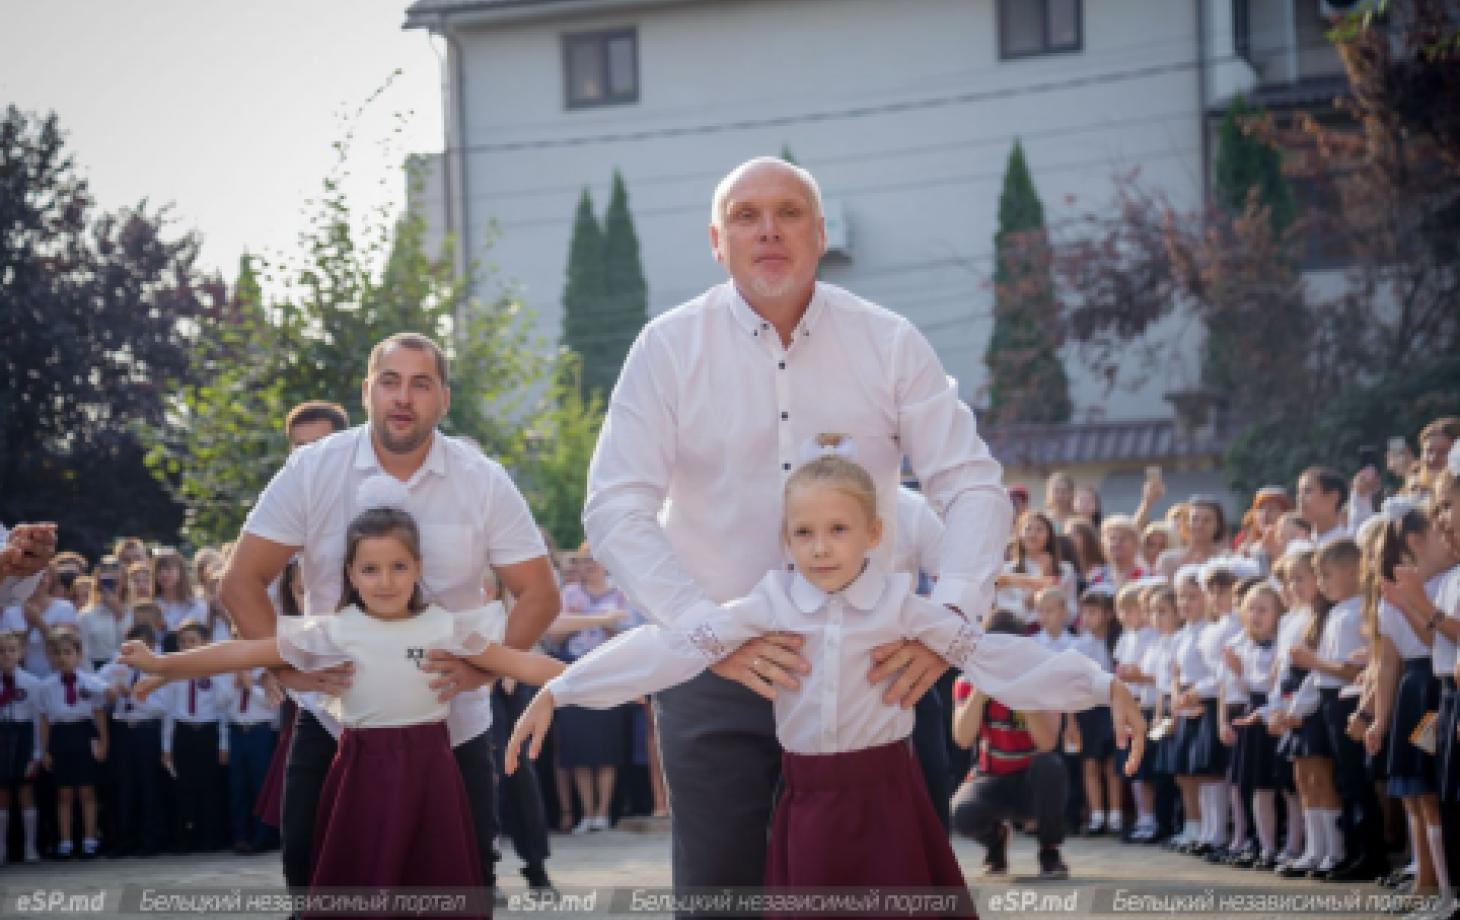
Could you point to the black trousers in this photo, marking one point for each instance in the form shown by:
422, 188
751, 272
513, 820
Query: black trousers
201, 822
520, 797
135, 755
312, 750
929, 743
1037, 792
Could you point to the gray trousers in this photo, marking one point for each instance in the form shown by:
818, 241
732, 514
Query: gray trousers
722, 763
1037, 792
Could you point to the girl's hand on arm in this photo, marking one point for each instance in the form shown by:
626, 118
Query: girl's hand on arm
531, 728
147, 686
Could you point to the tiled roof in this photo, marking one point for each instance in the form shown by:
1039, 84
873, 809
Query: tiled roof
1096, 442
424, 12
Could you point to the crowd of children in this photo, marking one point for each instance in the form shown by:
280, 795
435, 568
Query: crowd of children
1298, 679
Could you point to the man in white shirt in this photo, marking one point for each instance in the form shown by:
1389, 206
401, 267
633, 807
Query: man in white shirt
719, 399
471, 518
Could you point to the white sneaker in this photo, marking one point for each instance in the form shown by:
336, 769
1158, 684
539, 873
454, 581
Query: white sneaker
601, 823
585, 826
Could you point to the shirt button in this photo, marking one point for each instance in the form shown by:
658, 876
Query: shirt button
785, 466
785, 415
781, 365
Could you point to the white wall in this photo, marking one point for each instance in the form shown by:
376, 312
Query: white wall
920, 185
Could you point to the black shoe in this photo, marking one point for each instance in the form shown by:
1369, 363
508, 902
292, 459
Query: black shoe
537, 878
1051, 866
1263, 864
997, 858
1198, 849
1360, 869
1218, 855
1294, 870
1397, 877
243, 848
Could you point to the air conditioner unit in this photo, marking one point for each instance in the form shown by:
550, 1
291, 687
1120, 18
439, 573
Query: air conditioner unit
1329, 8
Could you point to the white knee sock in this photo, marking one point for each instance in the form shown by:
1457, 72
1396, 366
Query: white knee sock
1264, 815
27, 817
1333, 837
1215, 804
1317, 847
1239, 817
1436, 835
1296, 826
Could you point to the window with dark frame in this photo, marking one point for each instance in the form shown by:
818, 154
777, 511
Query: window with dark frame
1033, 27
601, 68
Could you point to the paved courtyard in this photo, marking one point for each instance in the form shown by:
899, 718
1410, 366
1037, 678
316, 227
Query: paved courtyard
1106, 878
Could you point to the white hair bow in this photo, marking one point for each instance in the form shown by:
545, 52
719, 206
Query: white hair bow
381, 491
828, 445
1455, 459
1396, 507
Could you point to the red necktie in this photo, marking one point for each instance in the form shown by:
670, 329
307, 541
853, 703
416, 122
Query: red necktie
192, 697
69, 680
7, 689
127, 700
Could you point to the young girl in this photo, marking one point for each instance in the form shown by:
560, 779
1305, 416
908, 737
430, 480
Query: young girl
1136, 638
20, 751
136, 756
1220, 578
854, 809
172, 589
73, 734
394, 768
195, 751
1157, 669
1053, 618
1254, 751
1036, 563
1206, 528
1194, 735
1097, 641
1406, 688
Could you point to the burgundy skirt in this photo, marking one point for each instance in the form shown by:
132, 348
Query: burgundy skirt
394, 813
860, 818
269, 806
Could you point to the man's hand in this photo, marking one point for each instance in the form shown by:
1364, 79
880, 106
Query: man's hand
453, 675
766, 663
28, 549
1130, 725
331, 681
917, 667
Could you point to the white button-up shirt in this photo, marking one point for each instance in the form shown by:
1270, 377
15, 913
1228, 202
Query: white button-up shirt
1394, 624
470, 515
1447, 599
58, 612
712, 413
919, 535
90, 695
1342, 636
127, 708
199, 701
835, 709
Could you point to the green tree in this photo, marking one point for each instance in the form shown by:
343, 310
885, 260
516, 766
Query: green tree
354, 281
553, 468
99, 313
586, 291
626, 300
1027, 381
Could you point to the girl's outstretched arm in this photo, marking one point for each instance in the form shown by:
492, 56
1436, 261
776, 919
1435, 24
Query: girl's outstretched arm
531, 668
218, 658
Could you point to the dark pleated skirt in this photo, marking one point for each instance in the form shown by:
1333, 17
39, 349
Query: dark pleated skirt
1097, 733
17, 742
72, 763
1201, 750
590, 737
859, 818
1309, 739
1411, 771
1447, 747
394, 813
1254, 756
269, 806
1148, 766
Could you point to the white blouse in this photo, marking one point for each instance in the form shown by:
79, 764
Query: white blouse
90, 696
1132, 648
835, 709
1342, 636
390, 688
1447, 599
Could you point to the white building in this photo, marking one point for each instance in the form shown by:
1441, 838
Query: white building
904, 109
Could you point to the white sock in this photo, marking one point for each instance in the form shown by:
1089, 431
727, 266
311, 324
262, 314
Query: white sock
1190, 831
1239, 818
1317, 842
28, 818
1333, 837
1264, 815
1113, 820
1137, 788
1436, 835
1293, 845
1221, 801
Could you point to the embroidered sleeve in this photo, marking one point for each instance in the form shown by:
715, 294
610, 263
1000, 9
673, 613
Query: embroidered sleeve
963, 642
703, 638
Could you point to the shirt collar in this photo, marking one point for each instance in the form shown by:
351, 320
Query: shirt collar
757, 325
862, 594
365, 458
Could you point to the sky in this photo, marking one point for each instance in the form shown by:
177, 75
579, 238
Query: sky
226, 111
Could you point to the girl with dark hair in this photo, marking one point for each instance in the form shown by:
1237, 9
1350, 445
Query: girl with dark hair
394, 768
1099, 635
1036, 561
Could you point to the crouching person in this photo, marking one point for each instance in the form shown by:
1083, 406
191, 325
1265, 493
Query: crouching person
1018, 777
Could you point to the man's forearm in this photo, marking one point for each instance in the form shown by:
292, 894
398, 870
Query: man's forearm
531, 614
247, 602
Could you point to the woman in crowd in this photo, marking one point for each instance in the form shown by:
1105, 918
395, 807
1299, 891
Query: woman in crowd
104, 619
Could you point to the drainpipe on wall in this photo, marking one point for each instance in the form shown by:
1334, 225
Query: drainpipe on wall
458, 216
1201, 101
